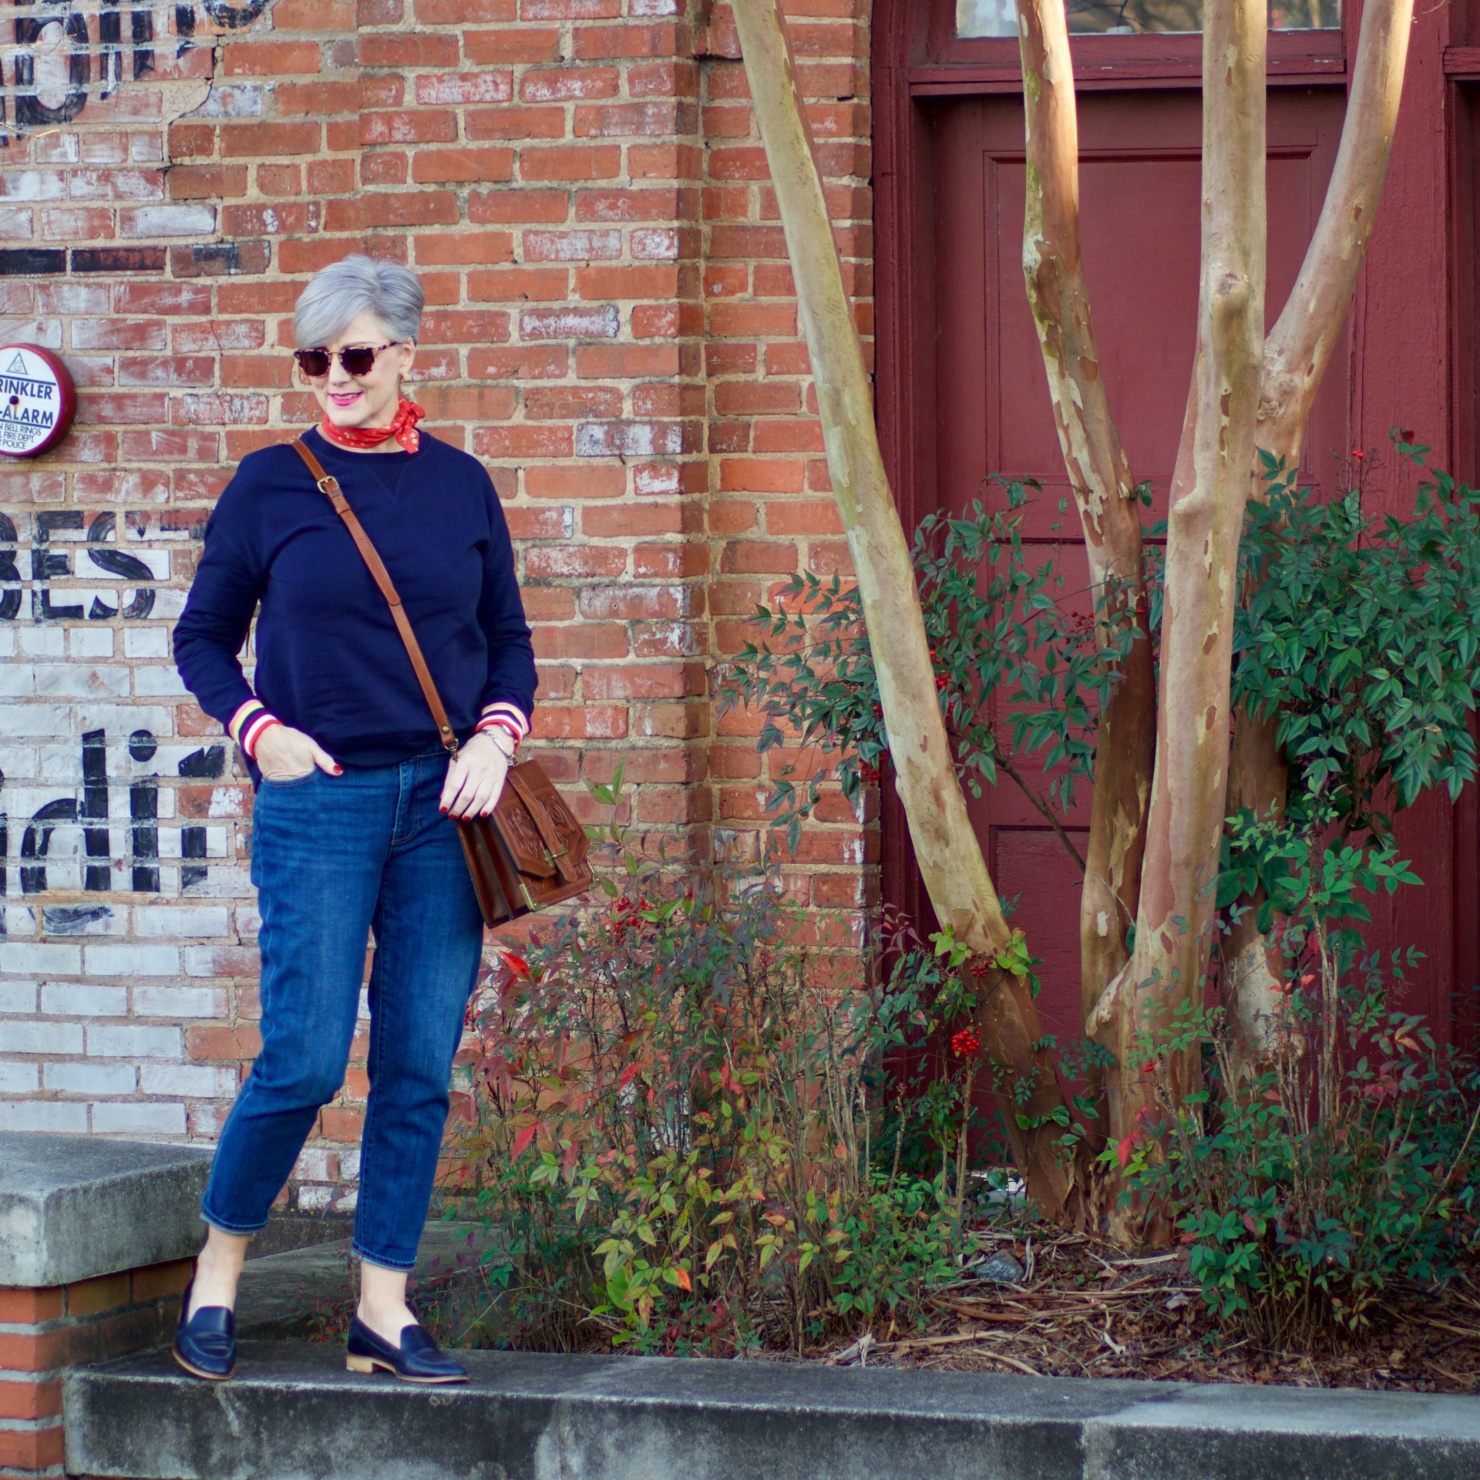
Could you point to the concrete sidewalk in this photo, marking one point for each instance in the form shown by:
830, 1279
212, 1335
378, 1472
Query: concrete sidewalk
294, 1413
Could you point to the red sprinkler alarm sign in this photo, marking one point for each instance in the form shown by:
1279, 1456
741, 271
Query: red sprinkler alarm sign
37, 401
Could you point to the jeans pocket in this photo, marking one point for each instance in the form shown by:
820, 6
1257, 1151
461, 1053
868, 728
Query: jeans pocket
281, 781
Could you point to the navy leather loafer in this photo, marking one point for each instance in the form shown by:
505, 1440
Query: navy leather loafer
205, 1345
417, 1359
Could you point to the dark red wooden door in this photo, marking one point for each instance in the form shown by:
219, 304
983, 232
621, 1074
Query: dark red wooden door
1139, 188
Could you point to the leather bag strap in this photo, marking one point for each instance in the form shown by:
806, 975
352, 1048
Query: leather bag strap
328, 485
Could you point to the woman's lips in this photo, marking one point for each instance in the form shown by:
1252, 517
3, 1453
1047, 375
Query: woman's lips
344, 398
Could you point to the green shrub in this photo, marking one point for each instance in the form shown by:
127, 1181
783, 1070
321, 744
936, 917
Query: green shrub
1304, 1192
682, 1132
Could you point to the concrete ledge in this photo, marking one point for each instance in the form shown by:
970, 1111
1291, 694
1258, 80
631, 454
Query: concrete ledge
76, 1207
294, 1413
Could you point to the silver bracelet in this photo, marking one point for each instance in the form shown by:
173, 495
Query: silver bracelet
513, 749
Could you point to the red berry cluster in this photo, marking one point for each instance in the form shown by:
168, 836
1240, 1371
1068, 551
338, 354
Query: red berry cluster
965, 1043
629, 917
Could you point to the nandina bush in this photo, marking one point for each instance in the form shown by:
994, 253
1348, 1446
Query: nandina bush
684, 1133
1305, 1193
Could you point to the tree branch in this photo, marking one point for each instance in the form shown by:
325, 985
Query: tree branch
1209, 490
1296, 355
946, 847
1100, 476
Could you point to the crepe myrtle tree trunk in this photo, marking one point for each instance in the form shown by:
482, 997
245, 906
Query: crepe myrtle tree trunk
1210, 486
1296, 355
1109, 511
945, 844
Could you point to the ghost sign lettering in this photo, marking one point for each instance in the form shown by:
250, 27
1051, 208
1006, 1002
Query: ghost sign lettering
37, 401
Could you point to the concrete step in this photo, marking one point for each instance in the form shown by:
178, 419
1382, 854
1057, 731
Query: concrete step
294, 1413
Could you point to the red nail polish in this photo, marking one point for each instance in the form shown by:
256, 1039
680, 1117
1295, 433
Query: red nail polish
339, 770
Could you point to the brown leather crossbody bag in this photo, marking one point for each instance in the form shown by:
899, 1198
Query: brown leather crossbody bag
531, 852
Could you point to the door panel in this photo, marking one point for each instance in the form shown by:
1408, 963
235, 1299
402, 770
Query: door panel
1140, 228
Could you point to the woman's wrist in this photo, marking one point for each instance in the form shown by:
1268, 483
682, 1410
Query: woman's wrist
501, 741
249, 724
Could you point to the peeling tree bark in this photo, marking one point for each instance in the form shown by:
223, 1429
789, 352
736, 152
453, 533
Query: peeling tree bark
1296, 355
945, 844
1210, 486
1104, 491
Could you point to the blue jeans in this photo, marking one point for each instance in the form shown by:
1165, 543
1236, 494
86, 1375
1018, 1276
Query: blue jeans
334, 858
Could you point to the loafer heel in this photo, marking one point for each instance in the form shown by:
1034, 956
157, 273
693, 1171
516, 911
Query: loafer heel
360, 1364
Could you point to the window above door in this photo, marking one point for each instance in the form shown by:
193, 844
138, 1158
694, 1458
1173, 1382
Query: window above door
979, 19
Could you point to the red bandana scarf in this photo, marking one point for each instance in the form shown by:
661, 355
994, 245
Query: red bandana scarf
402, 428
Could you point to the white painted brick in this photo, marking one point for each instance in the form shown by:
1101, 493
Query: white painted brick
229, 801
34, 185
91, 642
313, 1199
314, 1165
18, 997
45, 332
146, 642
39, 719
169, 221
43, 1115
17, 1078
123, 719
17, 681
177, 1002
75, 999
149, 1118
91, 1078
32, 956
234, 100
169, 604
43, 642
134, 1042
189, 1081
154, 683
20, 920
57, 680
15, 222
349, 1165
51, 1038
132, 961
182, 922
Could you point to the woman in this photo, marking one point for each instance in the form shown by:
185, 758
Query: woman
352, 829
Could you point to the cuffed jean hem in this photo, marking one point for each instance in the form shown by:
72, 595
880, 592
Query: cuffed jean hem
222, 1226
382, 1261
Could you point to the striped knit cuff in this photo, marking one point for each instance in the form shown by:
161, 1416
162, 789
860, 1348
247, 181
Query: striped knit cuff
507, 717
248, 725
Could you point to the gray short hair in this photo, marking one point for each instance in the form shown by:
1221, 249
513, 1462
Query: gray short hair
337, 293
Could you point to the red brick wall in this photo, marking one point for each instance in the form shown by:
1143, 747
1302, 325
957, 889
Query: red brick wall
610, 327
45, 1331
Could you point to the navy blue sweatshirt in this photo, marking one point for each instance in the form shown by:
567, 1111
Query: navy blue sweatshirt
329, 659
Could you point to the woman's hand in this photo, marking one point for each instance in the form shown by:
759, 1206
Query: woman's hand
285, 754
475, 779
